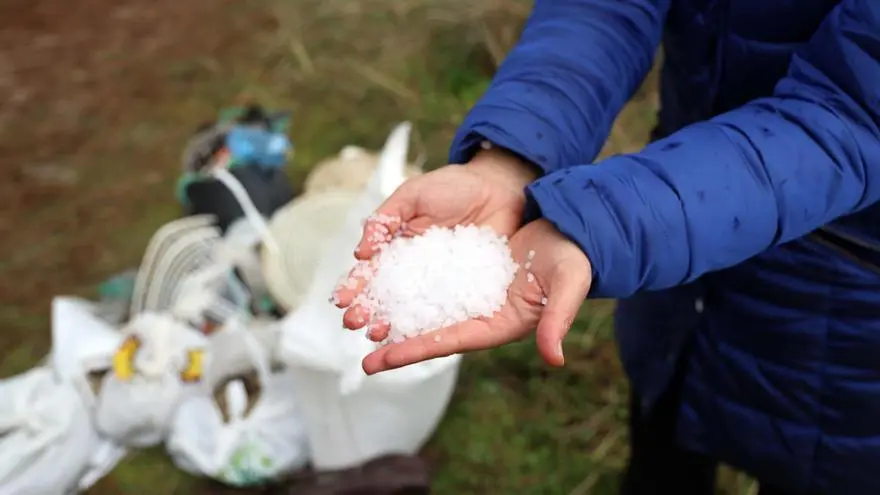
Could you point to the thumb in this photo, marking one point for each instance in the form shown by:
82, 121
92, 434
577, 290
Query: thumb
387, 219
566, 294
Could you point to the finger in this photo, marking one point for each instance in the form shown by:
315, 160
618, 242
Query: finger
472, 335
355, 317
381, 227
353, 285
378, 331
566, 294
378, 231
345, 296
347, 292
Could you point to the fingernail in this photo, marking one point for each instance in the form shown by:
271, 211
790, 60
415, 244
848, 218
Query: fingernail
559, 350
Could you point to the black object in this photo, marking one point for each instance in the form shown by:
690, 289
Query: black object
865, 253
255, 115
386, 475
657, 465
268, 188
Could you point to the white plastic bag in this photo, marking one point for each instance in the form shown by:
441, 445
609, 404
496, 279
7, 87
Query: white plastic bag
248, 430
80, 338
46, 438
157, 364
352, 418
82, 346
48, 442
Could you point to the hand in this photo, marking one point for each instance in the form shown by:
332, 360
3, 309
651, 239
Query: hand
488, 191
547, 295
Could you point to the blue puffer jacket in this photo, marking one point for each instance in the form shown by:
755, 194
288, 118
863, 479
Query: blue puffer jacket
773, 114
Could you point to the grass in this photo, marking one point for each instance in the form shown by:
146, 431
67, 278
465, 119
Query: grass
349, 71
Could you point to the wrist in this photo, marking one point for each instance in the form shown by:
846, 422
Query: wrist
504, 167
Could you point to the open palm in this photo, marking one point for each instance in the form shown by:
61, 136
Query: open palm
546, 294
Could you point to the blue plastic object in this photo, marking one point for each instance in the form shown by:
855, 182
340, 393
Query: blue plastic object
254, 146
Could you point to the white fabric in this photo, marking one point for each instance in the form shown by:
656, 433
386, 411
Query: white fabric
254, 446
351, 418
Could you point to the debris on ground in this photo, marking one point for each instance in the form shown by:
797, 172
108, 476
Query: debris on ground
218, 347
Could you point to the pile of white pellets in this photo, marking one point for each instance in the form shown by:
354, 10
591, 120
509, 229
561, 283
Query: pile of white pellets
439, 278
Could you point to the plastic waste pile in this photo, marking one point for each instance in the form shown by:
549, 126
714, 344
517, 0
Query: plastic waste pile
251, 144
190, 304
222, 345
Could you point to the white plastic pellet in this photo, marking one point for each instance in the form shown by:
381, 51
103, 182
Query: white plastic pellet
437, 279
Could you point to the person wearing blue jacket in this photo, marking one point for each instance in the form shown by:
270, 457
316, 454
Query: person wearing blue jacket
743, 242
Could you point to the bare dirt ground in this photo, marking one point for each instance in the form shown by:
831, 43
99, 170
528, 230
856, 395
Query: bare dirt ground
89, 133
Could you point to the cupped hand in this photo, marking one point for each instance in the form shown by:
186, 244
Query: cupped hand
488, 191
551, 284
